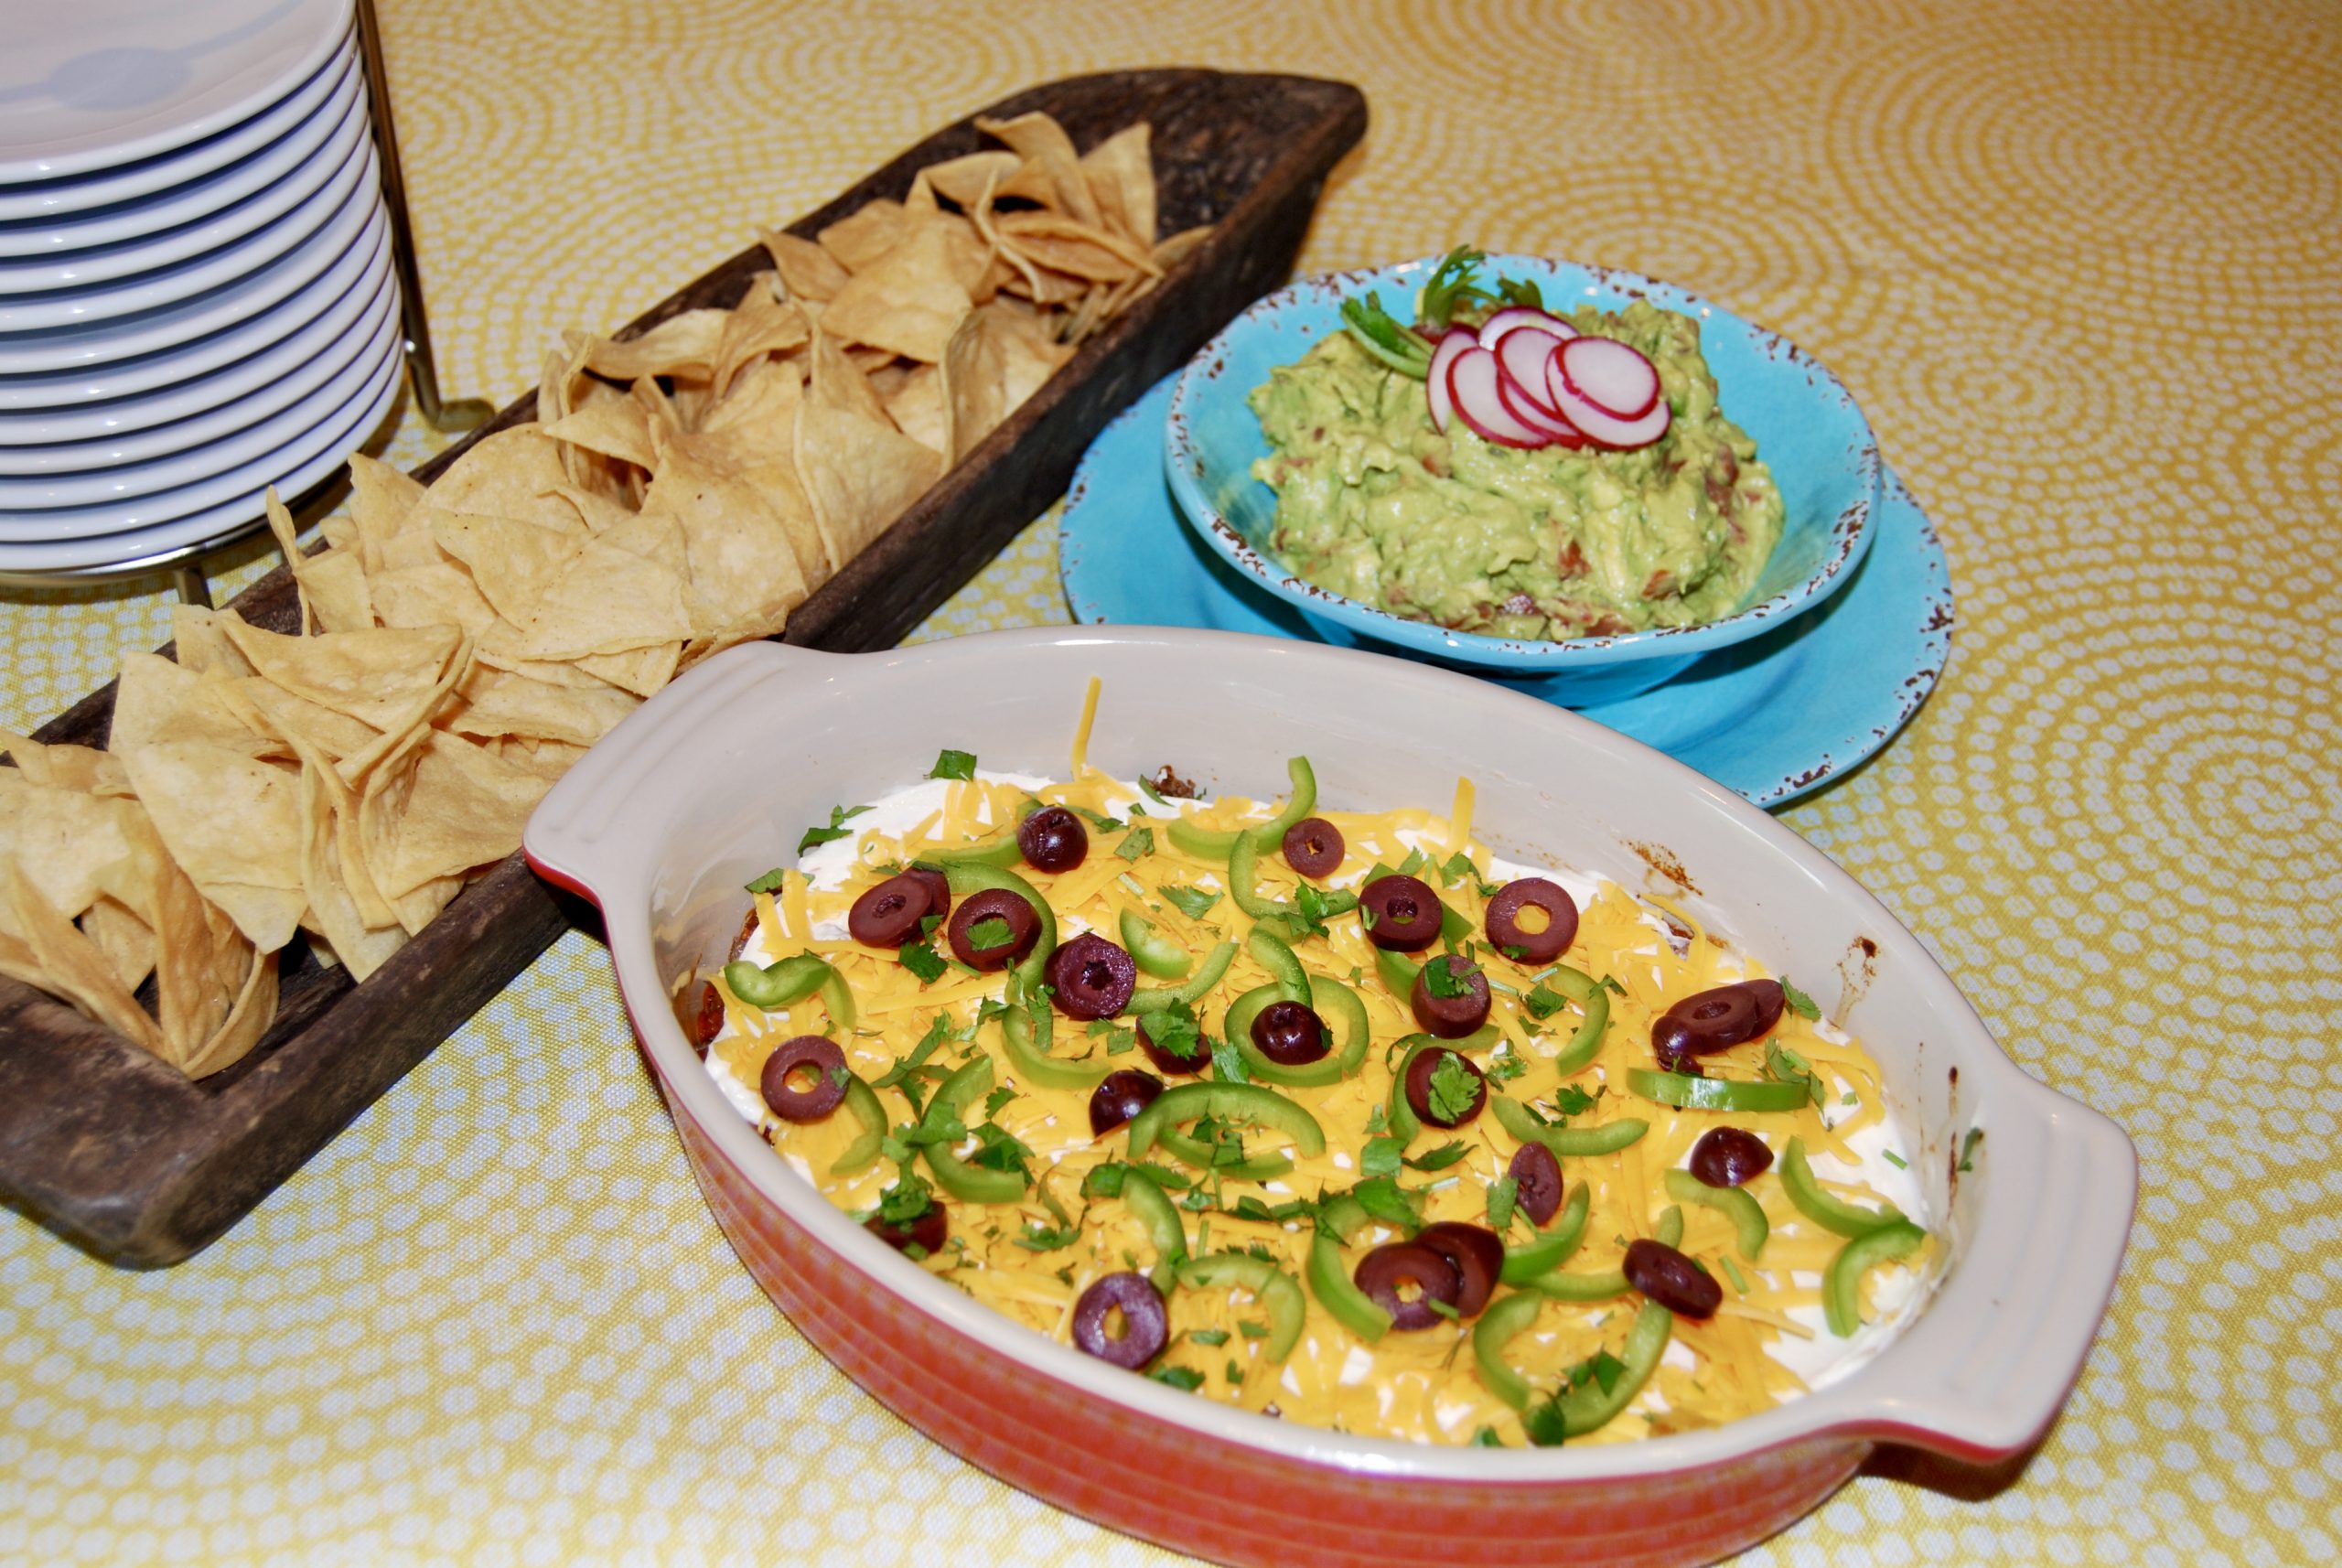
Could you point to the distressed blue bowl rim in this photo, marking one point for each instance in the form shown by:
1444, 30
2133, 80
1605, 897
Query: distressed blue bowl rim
1850, 532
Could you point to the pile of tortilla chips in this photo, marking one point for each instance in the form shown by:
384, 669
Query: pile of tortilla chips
681, 491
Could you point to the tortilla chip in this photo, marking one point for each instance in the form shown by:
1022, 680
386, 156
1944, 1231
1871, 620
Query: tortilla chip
745, 560
81, 769
73, 847
49, 952
293, 722
972, 384
1120, 171
1048, 153
453, 807
248, 1020
806, 270
859, 474
499, 703
156, 700
380, 499
232, 824
1029, 355
916, 405
643, 671
125, 940
1078, 250
508, 474
373, 676
624, 591
906, 301
436, 593
963, 179
333, 910
758, 325
682, 345
614, 428
837, 382
863, 235
202, 646
512, 562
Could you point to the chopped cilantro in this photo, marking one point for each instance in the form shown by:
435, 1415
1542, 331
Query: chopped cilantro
1192, 901
1176, 1033
1785, 1065
1413, 864
906, 1200
1119, 1040
1235, 1373
771, 881
1892, 1158
1197, 1201
998, 1097
992, 931
1439, 1159
1502, 1198
1381, 1157
1544, 1423
1444, 1309
1505, 1064
1610, 983
1799, 1002
1138, 842
1454, 1087
1252, 1330
1148, 789
1105, 824
1448, 977
836, 830
1260, 1249
1040, 1238
1542, 1002
1185, 1379
1104, 1181
1001, 1149
1226, 1063
1381, 1198
1570, 1101
1738, 1285
1458, 868
1486, 1437
950, 764
921, 958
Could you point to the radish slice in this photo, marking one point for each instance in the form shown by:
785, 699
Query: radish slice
1600, 425
1611, 375
1435, 378
1512, 318
1523, 353
1552, 428
1473, 380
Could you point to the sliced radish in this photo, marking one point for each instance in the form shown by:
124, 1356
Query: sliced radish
1473, 380
1611, 375
1600, 425
1435, 378
1523, 353
1553, 429
1512, 318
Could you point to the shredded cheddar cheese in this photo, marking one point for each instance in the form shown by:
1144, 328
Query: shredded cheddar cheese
1021, 1261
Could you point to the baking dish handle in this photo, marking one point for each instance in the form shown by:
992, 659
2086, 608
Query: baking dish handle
1988, 1365
599, 829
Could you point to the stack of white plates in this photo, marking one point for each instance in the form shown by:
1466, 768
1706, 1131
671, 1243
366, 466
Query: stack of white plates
196, 299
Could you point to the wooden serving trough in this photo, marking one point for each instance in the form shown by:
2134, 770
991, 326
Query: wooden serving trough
117, 1153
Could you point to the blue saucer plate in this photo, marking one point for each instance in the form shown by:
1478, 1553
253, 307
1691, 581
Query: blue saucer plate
1771, 718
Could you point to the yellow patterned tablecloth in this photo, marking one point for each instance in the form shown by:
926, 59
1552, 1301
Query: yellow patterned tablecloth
2081, 263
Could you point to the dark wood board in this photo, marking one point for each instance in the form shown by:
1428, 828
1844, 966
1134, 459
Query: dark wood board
119, 1154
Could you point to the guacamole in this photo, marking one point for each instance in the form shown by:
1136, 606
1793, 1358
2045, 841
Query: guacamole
1375, 504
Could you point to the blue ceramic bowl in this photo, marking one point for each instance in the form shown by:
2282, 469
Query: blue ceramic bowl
1806, 424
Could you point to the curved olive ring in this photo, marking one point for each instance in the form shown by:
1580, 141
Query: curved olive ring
1313, 847
993, 904
1091, 977
1052, 838
1402, 913
791, 1104
1382, 1272
1145, 1325
889, 914
1713, 1020
1506, 933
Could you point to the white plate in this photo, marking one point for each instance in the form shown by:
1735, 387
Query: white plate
214, 526
299, 432
80, 193
76, 348
76, 94
200, 276
185, 383
186, 219
160, 456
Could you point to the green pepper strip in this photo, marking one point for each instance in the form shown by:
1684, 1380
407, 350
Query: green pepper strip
1606, 1139
1027, 1030
1153, 1209
1157, 954
999, 854
1159, 1122
1730, 1094
1401, 1115
1552, 1248
1276, 1290
1330, 999
1848, 1220
792, 979
862, 1153
1244, 876
1497, 1325
966, 879
1284, 965
1842, 1281
1610, 1282
1750, 1227
1338, 1220
1155, 998
1215, 843
970, 1184
1588, 1409
1397, 973
1594, 999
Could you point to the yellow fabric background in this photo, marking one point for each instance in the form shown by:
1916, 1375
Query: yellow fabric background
2082, 264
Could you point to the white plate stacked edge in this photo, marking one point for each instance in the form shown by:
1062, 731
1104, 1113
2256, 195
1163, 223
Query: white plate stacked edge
196, 300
